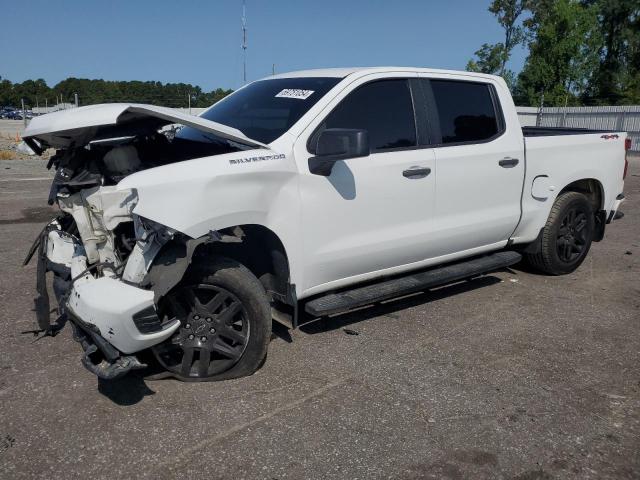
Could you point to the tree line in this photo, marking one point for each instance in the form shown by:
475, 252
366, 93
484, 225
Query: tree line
581, 52
38, 93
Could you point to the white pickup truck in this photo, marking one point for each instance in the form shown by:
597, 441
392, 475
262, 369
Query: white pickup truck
315, 191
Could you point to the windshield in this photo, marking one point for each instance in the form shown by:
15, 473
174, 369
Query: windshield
264, 110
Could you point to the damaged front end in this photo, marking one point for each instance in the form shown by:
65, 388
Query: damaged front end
98, 251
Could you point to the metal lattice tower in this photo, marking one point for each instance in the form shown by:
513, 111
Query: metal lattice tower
244, 42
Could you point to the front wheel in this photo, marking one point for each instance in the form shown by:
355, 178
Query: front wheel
566, 237
225, 324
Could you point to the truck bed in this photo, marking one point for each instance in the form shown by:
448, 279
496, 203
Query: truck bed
555, 131
557, 157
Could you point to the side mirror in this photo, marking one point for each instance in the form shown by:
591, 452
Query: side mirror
338, 144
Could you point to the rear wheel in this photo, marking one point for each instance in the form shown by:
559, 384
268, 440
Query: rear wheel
225, 324
566, 237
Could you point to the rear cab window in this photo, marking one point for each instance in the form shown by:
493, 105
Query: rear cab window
465, 112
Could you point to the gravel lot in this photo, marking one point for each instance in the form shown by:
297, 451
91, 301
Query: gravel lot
10, 138
513, 375
9, 128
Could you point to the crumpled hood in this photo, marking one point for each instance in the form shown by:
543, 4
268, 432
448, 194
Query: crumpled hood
79, 126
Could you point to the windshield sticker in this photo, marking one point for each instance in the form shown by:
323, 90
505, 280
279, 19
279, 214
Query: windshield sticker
295, 93
238, 161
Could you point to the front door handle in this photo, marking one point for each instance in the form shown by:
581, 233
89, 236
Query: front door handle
508, 162
416, 172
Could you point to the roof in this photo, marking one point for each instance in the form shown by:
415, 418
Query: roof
343, 72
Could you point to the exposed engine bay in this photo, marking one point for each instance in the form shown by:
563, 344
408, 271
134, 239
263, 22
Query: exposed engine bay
98, 250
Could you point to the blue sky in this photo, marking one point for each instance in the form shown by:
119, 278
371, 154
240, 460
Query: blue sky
199, 42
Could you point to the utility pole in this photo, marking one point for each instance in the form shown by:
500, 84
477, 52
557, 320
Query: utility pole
244, 42
189, 97
75, 97
24, 113
273, 69
539, 118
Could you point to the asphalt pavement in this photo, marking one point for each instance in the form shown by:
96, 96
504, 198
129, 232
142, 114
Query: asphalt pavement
514, 375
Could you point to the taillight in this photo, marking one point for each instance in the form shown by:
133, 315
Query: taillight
627, 147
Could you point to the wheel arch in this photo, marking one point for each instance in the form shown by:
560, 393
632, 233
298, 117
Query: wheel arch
594, 191
255, 246
589, 187
262, 251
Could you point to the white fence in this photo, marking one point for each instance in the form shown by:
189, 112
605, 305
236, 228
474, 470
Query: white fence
622, 119
67, 106
193, 111
528, 116
53, 108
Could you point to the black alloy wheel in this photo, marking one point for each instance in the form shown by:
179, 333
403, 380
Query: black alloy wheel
213, 334
572, 236
566, 237
225, 323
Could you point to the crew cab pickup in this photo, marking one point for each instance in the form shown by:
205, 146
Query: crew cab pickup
298, 196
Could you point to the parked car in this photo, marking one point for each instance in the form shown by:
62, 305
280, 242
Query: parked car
6, 110
317, 192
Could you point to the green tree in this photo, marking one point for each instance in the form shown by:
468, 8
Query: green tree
563, 53
493, 58
508, 12
101, 91
6, 89
632, 91
488, 59
616, 79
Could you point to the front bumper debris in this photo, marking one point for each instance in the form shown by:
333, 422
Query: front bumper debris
110, 306
112, 318
100, 357
54, 248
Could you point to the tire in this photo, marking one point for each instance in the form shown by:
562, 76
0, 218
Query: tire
566, 237
225, 324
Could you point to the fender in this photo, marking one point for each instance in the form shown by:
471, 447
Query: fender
536, 207
271, 266
195, 197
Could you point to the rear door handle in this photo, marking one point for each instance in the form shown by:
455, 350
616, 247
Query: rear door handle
416, 172
508, 162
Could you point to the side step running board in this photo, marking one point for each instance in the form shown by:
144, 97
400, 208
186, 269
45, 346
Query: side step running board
378, 292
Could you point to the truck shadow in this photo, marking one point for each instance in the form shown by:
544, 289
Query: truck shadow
312, 325
133, 388
125, 391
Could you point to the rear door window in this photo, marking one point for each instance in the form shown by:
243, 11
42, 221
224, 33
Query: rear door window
465, 110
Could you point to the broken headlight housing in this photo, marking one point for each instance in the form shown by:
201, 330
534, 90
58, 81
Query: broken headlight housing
150, 237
